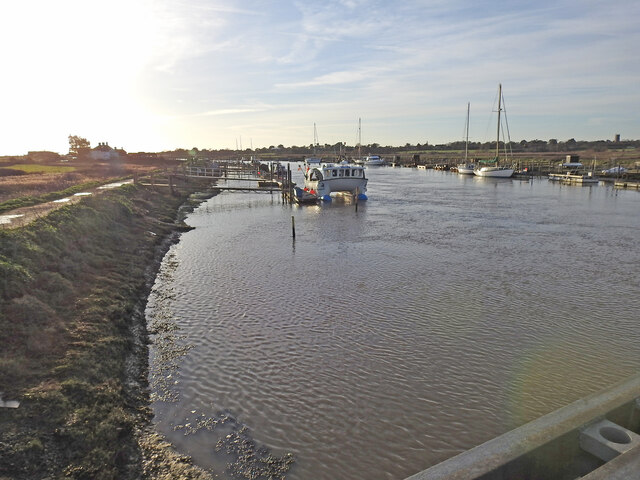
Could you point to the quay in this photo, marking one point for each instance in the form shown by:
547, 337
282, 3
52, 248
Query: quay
594, 438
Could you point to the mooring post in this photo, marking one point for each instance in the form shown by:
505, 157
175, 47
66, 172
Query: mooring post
290, 185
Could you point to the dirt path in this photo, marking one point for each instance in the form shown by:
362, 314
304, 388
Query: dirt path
25, 215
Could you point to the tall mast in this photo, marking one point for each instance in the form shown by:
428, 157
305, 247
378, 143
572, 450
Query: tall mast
499, 108
359, 138
315, 138
466, 144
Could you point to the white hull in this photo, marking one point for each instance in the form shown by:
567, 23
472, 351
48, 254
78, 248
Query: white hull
374, 161
465, 169
499, 172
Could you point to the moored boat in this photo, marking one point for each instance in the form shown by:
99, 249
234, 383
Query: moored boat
374, 161
495, 170
330, 178
467, 167
314, 159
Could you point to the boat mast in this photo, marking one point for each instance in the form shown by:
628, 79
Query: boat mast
499, 108
359, 138
315, 138
466, 144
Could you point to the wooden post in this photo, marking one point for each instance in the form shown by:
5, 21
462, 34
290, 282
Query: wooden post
293, 226
290, 186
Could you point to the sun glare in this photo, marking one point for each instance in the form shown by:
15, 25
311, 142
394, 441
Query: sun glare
72, 64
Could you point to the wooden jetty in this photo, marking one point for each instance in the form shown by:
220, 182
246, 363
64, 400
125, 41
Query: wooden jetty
625, 184
577, 178
226, 177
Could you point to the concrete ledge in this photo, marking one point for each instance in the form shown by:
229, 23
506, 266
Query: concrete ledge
606, 440
623, 467
553, 435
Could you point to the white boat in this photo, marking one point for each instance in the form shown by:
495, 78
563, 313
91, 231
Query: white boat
374, 161
467, 167
495, 170
330, 178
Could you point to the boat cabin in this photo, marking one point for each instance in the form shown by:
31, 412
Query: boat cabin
332, 172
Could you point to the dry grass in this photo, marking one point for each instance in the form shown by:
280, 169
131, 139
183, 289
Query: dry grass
34, 184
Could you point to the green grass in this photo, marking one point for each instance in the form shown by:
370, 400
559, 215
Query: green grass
35, 168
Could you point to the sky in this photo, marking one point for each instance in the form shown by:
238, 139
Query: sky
155, 75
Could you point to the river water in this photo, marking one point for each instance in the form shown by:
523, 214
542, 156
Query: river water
444, 311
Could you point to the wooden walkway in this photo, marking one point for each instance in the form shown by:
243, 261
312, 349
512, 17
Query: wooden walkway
245, 179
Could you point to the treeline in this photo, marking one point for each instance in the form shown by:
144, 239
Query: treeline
531, 146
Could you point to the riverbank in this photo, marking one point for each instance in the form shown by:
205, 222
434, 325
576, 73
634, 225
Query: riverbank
73, 287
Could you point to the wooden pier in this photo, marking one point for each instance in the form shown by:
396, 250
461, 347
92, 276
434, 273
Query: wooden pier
240, 177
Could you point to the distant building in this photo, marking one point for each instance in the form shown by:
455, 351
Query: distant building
104, 153
617, 139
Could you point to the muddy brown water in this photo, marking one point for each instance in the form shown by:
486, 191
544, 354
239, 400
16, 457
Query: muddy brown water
443, 312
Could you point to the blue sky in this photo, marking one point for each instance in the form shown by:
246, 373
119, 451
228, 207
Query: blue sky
152, 75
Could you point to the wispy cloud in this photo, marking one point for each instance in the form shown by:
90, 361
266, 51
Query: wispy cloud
229, 111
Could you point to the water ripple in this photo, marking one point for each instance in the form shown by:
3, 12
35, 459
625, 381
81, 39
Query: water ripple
385, 340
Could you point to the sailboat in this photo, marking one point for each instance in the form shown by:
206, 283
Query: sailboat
359, 160
314, 160
466, 168
496, 170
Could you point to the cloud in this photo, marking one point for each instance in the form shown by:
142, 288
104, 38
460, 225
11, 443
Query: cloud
229, 111
334, 78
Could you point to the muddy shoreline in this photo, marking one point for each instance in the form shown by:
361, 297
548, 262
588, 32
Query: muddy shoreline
230, 441
159, 458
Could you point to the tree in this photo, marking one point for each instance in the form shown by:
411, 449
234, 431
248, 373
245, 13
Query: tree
78, 145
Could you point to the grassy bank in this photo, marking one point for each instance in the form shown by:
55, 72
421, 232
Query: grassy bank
74, 344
